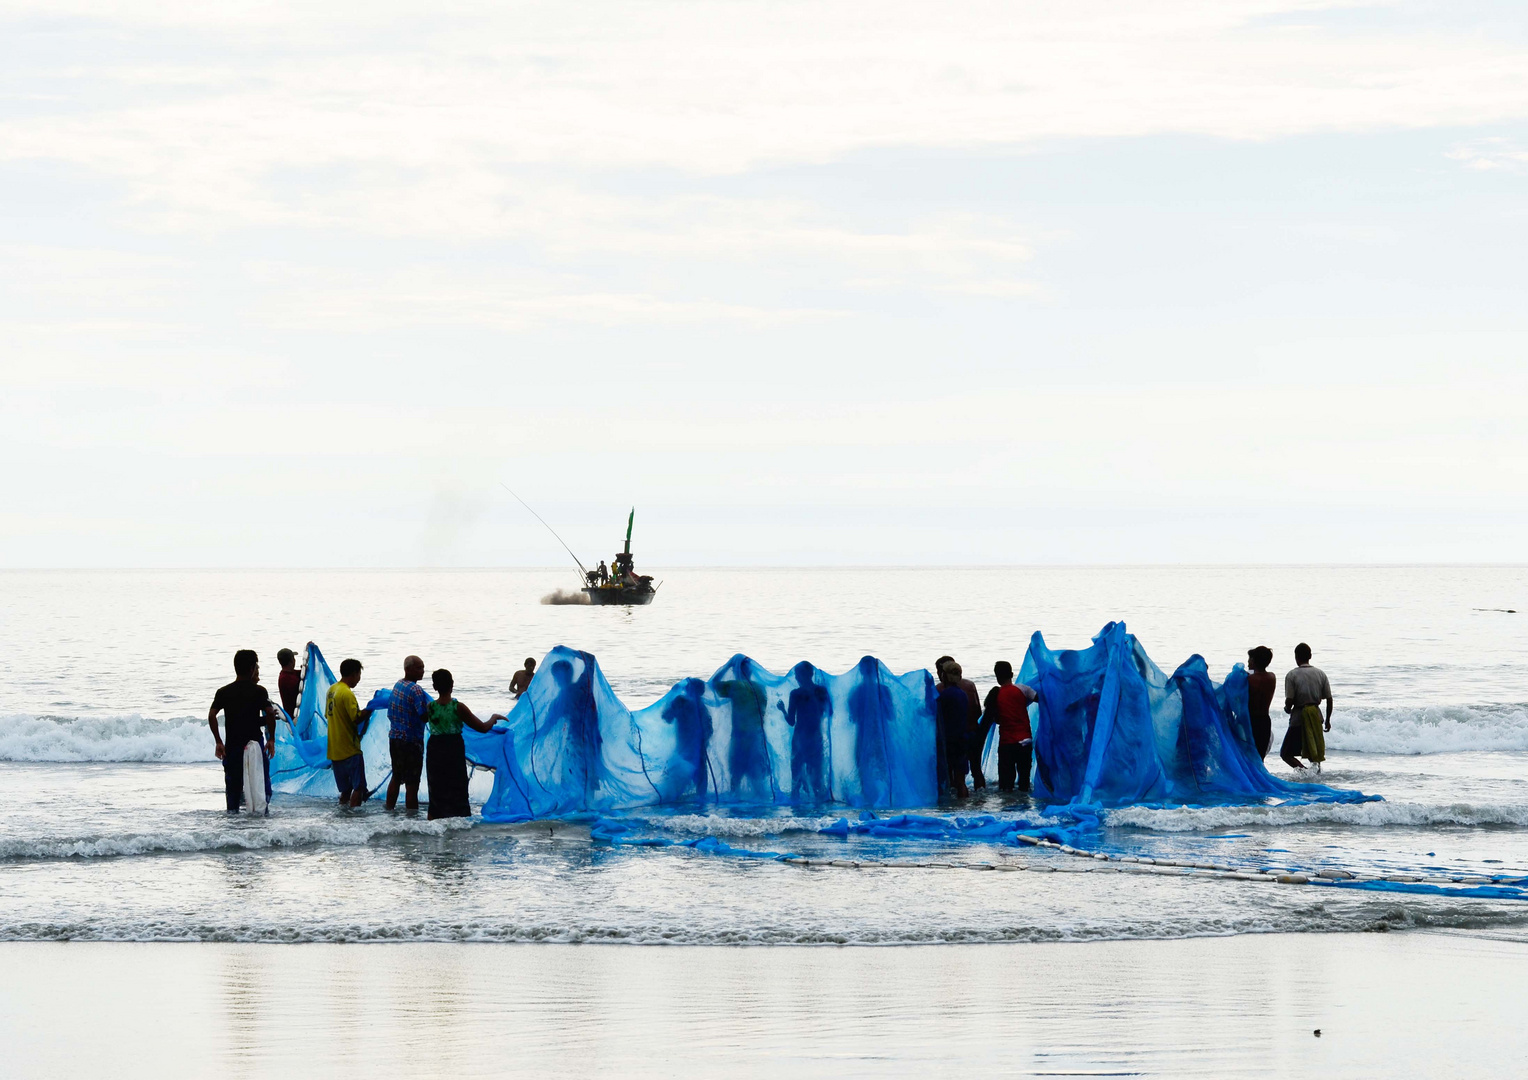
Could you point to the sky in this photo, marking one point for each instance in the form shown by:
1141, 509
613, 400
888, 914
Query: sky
306, 284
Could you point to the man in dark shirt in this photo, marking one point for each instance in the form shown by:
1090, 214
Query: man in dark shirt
953, 713
289, 682
244, 703
976, 732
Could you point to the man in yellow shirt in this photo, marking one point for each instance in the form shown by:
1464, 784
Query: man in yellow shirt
346, 722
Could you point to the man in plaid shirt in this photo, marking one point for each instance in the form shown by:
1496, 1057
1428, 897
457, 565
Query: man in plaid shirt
405, 737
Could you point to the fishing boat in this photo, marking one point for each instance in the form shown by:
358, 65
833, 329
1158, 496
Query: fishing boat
620, 584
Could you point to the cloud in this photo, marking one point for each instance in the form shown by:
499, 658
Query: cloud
1488, 154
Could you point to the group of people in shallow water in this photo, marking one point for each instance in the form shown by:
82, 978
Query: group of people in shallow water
1306, 687
964, 725
249, 715
966, 722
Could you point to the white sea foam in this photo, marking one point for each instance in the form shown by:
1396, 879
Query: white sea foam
1420, 730
108, 738
232, 833
1431, 729
1377, 814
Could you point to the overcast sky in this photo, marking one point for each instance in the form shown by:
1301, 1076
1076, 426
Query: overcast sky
298, 284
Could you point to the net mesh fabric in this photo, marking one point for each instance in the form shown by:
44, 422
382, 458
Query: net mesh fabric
1110, 729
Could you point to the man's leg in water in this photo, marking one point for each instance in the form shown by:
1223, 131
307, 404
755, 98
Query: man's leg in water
1293, 743
233, 776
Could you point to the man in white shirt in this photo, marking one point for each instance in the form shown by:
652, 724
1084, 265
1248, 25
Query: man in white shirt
1304, 689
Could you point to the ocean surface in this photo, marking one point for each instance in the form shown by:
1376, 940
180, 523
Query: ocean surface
111, 825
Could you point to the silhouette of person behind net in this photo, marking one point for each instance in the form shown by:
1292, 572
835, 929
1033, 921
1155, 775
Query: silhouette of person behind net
692, 733
808, 709
747, 751
573, 706
871, 710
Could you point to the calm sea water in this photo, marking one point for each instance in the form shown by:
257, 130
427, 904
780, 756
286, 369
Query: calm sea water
111, 790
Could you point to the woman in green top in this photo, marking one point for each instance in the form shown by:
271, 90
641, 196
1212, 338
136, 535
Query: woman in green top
445, 755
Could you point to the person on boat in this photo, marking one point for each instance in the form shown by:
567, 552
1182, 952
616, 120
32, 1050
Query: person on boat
976, 734
445, 753
1261, 685
807, 711
244, 703
871, 709
346, 720
289, 682
1007, 709
693, 729
954, 721
405, 735
1305, 688
747, 751
604, 573
520, 681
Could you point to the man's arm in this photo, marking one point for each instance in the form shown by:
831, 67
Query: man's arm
270, 726
217, 736
1289, 696
1328, 712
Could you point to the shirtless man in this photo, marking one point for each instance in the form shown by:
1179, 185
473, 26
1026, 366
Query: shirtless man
1261, 685
520, 682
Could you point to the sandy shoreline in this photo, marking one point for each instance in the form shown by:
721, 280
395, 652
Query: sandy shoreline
1411, 1004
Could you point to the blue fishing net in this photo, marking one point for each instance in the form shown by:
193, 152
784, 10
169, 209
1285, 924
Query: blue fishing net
300, 765
1114, 730
1110, 729
745, 737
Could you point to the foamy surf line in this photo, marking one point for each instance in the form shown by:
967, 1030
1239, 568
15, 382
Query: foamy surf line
128, 738
1196, 819
247, 834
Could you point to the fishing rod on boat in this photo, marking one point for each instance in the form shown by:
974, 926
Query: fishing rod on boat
583, 575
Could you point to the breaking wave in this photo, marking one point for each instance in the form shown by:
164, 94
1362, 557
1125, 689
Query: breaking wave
1435, 729
111, 738
1430, 729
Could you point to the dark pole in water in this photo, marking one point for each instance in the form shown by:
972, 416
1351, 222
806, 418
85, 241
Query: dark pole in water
583, 574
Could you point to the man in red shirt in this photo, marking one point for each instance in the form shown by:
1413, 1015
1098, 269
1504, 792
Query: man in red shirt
1007, 706
288, 683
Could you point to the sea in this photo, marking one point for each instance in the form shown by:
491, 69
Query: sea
112, 828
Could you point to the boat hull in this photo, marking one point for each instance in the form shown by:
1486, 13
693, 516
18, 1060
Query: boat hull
624, 597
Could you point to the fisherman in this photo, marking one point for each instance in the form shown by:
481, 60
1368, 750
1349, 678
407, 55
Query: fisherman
520, 681
346, 722
448, 752
1261, 685
289, 682
976, 733
693, 729
604, 573
243, 703
808, 710
1304, 689
953, 712
747, 751
405, 737
1007, 708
